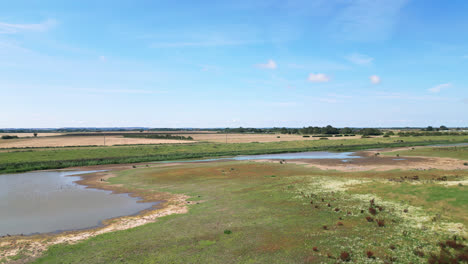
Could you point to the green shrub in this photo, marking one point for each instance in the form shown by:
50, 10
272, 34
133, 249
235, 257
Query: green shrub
9, 137
227, 232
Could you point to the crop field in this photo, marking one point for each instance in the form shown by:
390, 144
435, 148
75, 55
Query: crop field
27, 140
251, 212
17, 160
246, 138
22, 135
64, 141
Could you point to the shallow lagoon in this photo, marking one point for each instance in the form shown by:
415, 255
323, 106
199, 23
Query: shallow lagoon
50, 201
344, 156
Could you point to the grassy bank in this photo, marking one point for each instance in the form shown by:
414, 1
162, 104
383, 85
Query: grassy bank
445, 152
54, 158
247, 212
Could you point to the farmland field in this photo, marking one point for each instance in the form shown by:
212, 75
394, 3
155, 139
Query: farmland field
246, 138
66, 141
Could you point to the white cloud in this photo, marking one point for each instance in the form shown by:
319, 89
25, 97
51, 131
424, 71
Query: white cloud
465, 57
318, 77
271, 64
375, 79
359, 59
103, 58
438, 88
8, 28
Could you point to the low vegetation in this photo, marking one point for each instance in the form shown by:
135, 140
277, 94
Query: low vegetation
9, 137
238, 215
456, 152
52, 158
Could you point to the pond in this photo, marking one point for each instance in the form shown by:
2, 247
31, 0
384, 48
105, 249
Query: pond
50, 201
344, 156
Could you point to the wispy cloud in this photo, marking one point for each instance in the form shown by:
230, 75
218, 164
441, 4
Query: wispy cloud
465, 57
328, 100
271, 64
320, 65
318, 77
281, 104
359, 59
440, 87
408, 96
207, 43
375, 79
10, 28
335, 95
367, 20
120, 91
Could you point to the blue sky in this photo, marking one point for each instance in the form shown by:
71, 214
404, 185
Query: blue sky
233, 63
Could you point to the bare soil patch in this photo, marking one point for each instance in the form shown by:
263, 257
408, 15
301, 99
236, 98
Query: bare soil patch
371, 161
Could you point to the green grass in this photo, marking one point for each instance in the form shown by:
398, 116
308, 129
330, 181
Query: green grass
451, 202
445, 152
53, 158
271, 219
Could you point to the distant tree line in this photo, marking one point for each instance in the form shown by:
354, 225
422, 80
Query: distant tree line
430, 128
159, 136
326, 130
429, 133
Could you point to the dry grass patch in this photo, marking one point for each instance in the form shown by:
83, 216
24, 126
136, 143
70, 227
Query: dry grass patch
83, 141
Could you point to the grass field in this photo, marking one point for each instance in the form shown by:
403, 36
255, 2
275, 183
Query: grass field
49, 158
248, 212
445, 152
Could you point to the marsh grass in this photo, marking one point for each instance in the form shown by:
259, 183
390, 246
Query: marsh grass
271, 219
456, 152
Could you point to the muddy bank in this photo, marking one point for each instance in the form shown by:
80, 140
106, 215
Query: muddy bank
372, 160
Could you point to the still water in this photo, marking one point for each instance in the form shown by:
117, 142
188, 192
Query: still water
49, 201
344, 156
